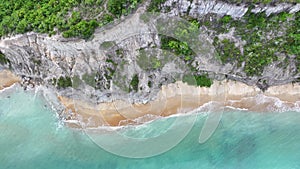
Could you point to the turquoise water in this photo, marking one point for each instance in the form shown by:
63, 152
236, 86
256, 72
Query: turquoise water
32, 137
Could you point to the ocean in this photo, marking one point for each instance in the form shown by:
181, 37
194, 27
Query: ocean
32, 137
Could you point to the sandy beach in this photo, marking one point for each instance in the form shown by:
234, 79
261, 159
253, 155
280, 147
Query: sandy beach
7, 78
182, 98
172, 99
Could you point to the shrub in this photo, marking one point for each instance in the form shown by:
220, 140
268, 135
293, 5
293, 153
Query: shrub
134, 84
64, 82
3, 59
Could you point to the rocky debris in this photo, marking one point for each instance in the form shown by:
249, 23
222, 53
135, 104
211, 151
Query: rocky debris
27, 83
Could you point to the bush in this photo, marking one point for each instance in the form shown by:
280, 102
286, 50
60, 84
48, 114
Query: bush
134, 84
155, 5
121, 7
198, 80
179, 48
260, 32
3, 59
63, 82
83, 29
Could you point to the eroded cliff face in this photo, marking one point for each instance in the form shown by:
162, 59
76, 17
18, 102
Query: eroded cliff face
273, 74
40, 59
198, 8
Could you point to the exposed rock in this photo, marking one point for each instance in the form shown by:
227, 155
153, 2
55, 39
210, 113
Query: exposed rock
198, 8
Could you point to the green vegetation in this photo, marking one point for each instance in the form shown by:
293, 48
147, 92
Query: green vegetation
184, 33
120, 52
292, 43
134, 83
148, 61
149, 84
118, 77
178, 47
3, 59
155, 5
111, 70
83, 29
41, 16
72, 18
203, 81
156, 64
197, 80
76, 82
37, 61
182, 49
112, 66
107, 44
121, 7
89, 79
62, 82
264, 36
228, 51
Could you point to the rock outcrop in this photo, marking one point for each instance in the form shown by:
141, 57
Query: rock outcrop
199, 8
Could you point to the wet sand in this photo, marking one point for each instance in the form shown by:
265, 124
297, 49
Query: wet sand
7, 78
182, 98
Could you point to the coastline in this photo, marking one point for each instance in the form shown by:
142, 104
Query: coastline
182, 98
176, 98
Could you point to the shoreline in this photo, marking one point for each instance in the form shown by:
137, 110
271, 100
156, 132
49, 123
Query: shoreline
180, 98
172, 99
7, 79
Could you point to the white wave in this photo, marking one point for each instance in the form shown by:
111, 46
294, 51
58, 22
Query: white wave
236, 108
11, 88
263, 103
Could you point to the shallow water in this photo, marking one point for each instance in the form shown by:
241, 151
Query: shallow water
32, 137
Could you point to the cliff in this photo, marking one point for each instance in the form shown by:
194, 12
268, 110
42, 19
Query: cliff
198, 8
103, 69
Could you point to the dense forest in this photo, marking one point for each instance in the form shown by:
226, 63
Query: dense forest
72, 18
